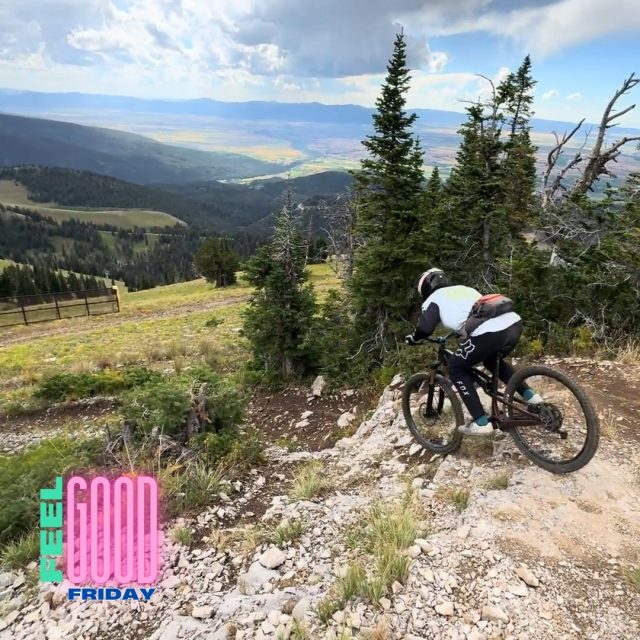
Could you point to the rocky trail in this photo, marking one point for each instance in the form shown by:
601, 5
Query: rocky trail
501, 550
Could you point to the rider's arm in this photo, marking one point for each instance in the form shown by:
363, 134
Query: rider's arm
429, 320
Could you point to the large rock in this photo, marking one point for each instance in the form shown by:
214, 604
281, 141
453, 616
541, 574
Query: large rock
272, 558
300, 610
346, 419
494, 614
318, 386
527, 576
256, 576
445, 609
202, 612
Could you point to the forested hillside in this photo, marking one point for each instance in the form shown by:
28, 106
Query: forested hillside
209, 206
116, 153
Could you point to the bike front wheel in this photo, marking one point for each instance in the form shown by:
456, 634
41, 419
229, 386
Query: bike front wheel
567, 431
433, 412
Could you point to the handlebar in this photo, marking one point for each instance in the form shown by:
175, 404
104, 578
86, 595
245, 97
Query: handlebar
442, 340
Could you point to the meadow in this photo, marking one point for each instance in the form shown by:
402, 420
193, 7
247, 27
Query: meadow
16, 195
167, 327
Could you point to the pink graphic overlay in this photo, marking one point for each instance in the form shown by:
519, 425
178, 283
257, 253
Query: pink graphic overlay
112, 532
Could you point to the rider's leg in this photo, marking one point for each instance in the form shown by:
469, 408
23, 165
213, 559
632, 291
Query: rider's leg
509, 338
470, 353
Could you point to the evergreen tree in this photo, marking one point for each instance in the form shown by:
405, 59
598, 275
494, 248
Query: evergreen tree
390, 220
471, 227
279, 320
433, 192
217, 262
515, 98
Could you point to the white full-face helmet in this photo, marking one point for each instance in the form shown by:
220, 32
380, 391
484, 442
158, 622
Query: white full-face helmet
430, 281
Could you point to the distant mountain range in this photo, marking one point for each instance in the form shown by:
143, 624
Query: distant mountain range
116, 153
46, 103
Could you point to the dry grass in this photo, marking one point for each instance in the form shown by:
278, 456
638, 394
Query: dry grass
182, 535
286, 532
499, 481
507, 514
633, 575
310, 481
298, 631
477, 448
219, 539
380, 541
380, 632
457, 496
18, 554
608, 424
629, 353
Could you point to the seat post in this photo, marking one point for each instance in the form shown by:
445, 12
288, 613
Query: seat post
496, 372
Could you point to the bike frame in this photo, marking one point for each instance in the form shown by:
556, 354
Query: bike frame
489, 384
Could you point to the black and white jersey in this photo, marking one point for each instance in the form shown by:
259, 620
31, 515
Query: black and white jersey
451, 307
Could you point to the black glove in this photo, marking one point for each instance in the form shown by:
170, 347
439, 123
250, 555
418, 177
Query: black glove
410, 340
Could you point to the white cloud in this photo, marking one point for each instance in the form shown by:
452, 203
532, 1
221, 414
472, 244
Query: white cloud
551, 26
553, 93
438, 61
574, 96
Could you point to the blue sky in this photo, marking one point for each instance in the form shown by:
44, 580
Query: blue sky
334, 51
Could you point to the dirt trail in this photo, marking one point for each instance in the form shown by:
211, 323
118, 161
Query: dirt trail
577, 535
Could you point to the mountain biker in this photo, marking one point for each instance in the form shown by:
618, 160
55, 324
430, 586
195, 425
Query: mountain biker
450, 305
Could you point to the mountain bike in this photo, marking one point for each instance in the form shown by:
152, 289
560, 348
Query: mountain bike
560, 434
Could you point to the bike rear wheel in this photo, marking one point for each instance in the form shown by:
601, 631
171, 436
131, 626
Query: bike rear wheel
568, 432
433, 413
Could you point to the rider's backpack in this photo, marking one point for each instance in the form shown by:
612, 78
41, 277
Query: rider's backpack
486, 307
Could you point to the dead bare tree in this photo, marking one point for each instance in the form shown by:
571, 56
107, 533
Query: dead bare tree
550, 191
341, 236
601, 156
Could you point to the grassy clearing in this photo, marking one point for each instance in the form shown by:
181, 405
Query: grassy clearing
499, 481
457, 496
16, 194
141, 333
310, 481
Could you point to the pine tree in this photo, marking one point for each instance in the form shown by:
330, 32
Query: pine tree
471, 225
217, 262
279, 320
514, 97
433, 192
390, 222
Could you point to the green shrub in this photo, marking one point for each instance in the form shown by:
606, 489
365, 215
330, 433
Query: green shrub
584, 341
23, 474
212, 447
213, 322
74, 386
19, 553
163, 405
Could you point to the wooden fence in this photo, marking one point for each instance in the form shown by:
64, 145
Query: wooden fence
55, 306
